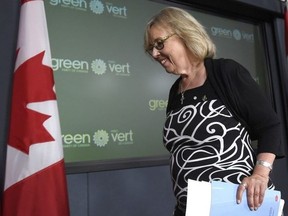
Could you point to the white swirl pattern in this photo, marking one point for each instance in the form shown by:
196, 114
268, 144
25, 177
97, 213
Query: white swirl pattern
206, 143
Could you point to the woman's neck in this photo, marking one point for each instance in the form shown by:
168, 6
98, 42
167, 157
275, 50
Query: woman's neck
194, 78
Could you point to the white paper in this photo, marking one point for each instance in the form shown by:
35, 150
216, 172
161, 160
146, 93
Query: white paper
219, 198
282, 202
198, 198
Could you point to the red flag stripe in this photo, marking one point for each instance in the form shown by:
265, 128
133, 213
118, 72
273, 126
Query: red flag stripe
35, 199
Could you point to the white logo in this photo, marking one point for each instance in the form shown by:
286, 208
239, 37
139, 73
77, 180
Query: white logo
122, 138
75, 4
97, 6
70, 65
98, 66
237, 34
101, 138
232, 34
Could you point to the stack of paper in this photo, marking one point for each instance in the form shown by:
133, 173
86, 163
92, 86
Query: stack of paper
219, 199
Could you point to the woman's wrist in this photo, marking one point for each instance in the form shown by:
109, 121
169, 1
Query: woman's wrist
265, 164
261, 170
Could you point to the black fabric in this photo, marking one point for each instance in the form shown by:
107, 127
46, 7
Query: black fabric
178, 212
243, 97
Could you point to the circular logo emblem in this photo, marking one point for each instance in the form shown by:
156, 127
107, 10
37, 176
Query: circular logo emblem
97, 6
237, 34
98, 66
101, 138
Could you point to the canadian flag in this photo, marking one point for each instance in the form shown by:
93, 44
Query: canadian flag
35, 181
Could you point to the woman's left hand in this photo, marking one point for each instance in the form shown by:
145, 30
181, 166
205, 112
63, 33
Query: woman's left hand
255, 186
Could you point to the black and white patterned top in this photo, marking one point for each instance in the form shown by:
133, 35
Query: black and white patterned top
205, 141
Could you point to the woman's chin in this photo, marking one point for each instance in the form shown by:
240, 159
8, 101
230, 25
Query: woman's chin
171, 71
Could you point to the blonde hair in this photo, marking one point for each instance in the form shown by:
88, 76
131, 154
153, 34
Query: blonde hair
187, 28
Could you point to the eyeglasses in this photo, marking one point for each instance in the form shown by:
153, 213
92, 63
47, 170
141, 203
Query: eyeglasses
158, 44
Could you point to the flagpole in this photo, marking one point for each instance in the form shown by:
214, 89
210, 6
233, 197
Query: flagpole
9, 19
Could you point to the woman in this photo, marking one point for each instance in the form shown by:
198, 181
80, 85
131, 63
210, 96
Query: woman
214, 111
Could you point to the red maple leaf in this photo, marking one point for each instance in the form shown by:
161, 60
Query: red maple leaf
32, 82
